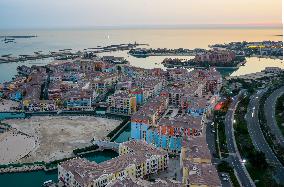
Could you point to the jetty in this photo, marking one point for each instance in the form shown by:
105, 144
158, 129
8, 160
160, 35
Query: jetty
67, 54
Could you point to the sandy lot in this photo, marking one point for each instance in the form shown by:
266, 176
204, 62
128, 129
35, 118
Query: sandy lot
14, 146
6, 105
56, 137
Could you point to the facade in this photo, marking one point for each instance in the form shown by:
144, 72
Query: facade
136, 159
147, 116
122, 103
223, 56
78, 100
134, 182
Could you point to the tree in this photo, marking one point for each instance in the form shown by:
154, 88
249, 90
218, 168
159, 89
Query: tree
257, 159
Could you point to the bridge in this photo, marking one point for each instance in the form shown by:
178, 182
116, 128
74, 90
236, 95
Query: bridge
104, 144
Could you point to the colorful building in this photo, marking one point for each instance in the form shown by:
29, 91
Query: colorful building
136, 159
122, 102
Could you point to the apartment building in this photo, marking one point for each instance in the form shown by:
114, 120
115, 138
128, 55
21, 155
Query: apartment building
136, 160
195, 161
122, 102
216, 56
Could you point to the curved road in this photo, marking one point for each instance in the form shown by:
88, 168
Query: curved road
269, 109
258, 138
235, 157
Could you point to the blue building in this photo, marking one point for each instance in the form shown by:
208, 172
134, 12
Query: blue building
16, 96
151, 135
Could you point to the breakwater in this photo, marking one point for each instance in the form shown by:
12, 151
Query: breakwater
66, 54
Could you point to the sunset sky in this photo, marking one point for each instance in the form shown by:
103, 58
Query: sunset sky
131, 13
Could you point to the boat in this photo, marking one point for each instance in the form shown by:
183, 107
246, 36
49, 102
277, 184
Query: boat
47, 183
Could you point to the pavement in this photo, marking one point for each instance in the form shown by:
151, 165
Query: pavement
269, 109
235, 158
258, 138
210, 138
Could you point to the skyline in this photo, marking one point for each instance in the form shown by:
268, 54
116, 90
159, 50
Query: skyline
19, 14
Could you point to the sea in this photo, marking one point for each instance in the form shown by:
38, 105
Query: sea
80, 39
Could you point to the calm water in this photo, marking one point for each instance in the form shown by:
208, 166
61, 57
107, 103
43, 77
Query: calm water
11, 115
36, 178
124, 135
51, 40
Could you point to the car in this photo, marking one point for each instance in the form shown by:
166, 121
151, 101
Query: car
224, 175
225, 179
213, 131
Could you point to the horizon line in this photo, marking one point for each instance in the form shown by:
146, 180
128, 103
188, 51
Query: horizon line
152, 26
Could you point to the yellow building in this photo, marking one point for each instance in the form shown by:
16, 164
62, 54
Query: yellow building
136, 159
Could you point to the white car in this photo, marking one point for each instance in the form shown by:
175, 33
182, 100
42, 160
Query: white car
225, 179
224, 175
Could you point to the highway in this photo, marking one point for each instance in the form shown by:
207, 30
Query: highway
257, 136
269, 109
235, 158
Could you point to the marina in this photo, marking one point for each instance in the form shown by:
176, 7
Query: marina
65, 54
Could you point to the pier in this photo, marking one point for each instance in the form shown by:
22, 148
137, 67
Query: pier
67, 54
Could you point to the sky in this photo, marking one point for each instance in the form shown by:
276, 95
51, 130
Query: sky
132, 13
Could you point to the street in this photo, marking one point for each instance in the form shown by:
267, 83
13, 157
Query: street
258, 138
269, 109
235, 158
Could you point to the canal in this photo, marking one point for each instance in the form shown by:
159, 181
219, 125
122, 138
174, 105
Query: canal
124, 135
11, 115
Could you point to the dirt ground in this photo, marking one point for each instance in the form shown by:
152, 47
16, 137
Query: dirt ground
6, 105
14, 146
56, 137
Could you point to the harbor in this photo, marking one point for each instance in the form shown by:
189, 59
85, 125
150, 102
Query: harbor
66, 54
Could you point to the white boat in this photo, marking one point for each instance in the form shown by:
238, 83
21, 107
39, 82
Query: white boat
46, 183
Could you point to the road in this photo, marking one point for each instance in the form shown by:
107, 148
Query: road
235, 158
257, 136
269, 109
